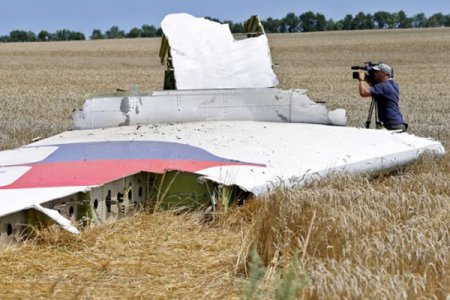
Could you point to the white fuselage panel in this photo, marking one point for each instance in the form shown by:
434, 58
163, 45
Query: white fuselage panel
270, 104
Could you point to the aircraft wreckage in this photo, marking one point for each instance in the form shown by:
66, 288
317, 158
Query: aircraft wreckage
219, 131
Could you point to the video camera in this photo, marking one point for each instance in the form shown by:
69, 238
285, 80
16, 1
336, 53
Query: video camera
367, 67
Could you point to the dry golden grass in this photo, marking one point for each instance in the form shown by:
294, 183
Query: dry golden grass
355, 236
359, 237
160, 256
41, 83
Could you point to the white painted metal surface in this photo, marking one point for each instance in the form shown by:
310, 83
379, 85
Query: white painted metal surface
56, 216
14, 200
288, 150
283, 152
265, 104
206, 56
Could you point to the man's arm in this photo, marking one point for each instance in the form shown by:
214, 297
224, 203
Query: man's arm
364, 87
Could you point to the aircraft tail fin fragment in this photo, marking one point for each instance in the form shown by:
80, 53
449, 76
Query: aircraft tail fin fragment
203, 54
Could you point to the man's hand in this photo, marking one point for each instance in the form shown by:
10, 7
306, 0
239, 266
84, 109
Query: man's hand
364, 88
362, 75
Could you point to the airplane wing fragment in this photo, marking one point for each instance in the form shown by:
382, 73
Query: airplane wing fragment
252, 155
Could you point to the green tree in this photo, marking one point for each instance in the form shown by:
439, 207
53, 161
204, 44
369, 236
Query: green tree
432, 22
236, 27
4, 38
370, 24
347, 22
18, 36
291, 22
419, 20
271, 25
362, 21
213, 19
331, 25
97, 35
403, 20
43, 36
52, 37
321, 22
148, 31
436, 20
393, 20
308, 21
134, 33
339, 25
114, 33
31, 36
447, 20
63, 35
381, 19
76, 36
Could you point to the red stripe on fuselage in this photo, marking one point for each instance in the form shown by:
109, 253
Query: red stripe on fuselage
98, 172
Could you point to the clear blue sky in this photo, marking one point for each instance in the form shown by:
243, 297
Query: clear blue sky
86, 15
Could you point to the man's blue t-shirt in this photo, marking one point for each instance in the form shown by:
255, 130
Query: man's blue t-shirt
386, 94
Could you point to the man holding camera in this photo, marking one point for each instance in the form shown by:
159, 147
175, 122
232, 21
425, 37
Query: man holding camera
385, 92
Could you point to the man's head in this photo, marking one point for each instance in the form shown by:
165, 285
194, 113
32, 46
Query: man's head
381, 72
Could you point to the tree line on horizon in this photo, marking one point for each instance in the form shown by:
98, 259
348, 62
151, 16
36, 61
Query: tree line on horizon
305, 22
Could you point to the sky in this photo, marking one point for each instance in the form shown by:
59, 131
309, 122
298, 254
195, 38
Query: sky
86, 15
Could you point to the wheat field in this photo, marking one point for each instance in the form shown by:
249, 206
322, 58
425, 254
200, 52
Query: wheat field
350, 237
